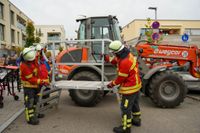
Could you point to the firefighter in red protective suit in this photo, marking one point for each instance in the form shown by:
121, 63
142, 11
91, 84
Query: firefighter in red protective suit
42, 63
130, 83
31, 82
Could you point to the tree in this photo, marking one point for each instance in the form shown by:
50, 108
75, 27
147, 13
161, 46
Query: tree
38, 35
60, 49
31, 38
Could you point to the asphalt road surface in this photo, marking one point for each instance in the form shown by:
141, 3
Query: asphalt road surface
69, 118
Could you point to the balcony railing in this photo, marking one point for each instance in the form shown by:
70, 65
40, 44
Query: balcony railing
56, 38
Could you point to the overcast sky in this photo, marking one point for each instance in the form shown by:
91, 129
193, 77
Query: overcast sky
64, 12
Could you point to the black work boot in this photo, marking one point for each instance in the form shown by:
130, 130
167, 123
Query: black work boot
41, 115
121, 130
33, 121
136, 121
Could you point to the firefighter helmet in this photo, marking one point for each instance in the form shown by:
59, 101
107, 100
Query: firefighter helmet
38, 47
32, 47
116, 46
28, 54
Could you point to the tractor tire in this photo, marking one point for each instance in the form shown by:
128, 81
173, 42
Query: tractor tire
1, 105
146, 93
167, 89
86, 98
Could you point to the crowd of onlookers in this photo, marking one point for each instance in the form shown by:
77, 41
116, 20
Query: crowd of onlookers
8, 60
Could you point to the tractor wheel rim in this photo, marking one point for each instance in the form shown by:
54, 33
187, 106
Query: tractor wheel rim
169, 90
84, 94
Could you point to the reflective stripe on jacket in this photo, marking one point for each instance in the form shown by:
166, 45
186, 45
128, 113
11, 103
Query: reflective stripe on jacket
29, 75
128, 75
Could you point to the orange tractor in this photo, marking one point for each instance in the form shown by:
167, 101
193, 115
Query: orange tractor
160, 67
158, 64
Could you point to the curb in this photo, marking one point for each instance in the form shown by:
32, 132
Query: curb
9, 121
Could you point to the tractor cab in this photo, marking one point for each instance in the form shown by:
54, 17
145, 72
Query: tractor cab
105, 27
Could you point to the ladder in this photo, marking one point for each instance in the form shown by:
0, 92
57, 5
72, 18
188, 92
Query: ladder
53, 94
52, 98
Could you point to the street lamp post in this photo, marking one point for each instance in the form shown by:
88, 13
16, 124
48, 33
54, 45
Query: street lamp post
154, 8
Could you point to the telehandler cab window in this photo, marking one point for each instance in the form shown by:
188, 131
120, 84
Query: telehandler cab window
100, 33
104, 28
82, 31
116, 29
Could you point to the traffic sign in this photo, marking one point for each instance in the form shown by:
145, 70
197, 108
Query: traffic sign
185, 37
155, 25
155, 36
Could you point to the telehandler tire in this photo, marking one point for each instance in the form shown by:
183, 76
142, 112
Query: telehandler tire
167, 89
86, 98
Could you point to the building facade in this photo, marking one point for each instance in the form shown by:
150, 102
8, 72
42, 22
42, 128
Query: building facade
12, 25
134, 29
51, 33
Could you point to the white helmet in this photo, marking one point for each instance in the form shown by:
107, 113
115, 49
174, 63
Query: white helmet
38, 47
28, 54
116, 46
32, 47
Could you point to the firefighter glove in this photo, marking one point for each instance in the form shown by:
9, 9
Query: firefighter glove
110, 85
45, 82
